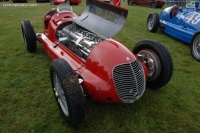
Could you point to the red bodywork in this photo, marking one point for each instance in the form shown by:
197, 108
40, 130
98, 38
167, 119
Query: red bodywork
97, 70
73, 2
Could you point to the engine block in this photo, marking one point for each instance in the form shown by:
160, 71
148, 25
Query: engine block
83, 39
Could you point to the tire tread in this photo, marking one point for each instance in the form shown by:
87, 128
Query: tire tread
73, 93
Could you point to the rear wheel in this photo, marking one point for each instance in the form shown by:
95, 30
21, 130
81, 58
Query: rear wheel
195, 46
153, 5
67, 92
130, 2
29, 36
157, 60
153, 22
52, 2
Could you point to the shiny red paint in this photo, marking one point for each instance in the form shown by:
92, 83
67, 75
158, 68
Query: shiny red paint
101, 67
97, 69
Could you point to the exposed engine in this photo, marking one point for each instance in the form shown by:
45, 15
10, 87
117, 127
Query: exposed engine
77, 38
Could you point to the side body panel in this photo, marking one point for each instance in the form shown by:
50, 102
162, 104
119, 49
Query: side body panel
97, 69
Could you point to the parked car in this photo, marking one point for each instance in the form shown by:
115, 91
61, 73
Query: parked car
86, 61
70, 2
151, 3
180, 23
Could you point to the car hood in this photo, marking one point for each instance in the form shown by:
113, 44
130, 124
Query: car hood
101, 18
106, 56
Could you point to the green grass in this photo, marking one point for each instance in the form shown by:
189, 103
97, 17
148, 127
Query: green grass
26, 99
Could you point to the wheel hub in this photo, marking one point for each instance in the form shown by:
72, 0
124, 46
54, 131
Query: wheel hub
198, 46
25, 40
56, 93
152, 62
59, 94
151, 22
151, 67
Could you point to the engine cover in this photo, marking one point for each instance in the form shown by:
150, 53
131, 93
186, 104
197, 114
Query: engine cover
103, 19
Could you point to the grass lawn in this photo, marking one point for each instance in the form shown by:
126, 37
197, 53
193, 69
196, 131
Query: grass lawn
26, 99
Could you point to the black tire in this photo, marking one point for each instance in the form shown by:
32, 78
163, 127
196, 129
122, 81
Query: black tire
153, 22
52, 2
195, 46
68, 2
153, 5
130, 2
66, 88
157, 60
29, 36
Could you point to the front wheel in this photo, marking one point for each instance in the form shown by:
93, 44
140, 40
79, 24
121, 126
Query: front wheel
153, 22
195, 46
157, 60
67, 92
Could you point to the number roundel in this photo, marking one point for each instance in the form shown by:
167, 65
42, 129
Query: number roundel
193, 19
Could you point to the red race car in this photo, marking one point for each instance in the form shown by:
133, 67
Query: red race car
151, 3
86, 61
70, 2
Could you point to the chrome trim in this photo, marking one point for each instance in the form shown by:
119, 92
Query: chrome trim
129, 80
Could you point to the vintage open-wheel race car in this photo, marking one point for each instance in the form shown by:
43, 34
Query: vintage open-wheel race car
86, 61
180, 23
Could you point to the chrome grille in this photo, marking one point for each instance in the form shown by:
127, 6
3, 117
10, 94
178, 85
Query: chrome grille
129, 80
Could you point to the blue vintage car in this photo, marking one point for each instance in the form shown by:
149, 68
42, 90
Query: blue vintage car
180, 23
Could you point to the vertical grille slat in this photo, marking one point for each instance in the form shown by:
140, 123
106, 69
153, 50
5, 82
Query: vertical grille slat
129, 80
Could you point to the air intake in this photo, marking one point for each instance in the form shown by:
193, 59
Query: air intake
129, 80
